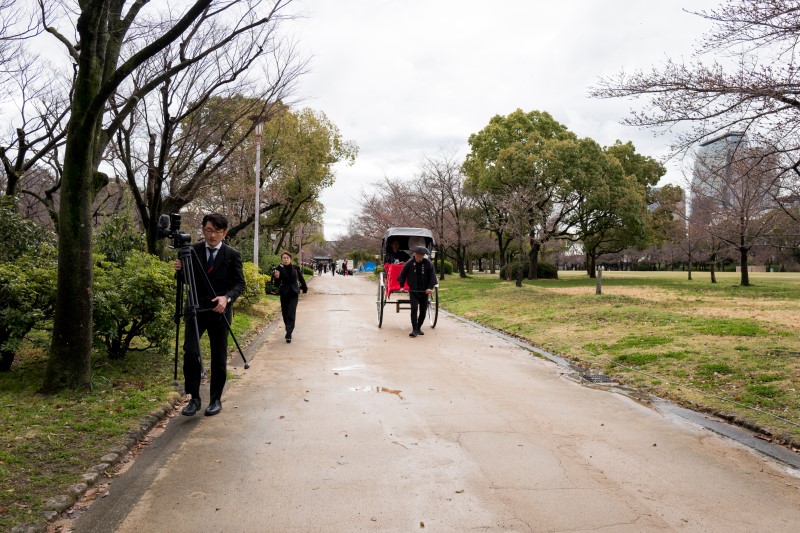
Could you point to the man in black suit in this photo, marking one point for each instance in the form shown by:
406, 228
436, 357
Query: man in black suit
291, 282
421, 280
222, 265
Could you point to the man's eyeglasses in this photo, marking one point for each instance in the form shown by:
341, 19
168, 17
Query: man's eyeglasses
212, 231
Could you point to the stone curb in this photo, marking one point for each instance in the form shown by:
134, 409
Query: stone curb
58, 504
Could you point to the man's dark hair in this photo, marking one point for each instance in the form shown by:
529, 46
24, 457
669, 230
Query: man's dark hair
217, 220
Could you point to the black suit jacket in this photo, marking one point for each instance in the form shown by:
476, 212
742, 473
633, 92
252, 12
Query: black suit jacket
291, 283
418, 283
226, 275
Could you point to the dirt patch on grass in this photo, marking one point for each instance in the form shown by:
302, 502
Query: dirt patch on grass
652, 294
784, 314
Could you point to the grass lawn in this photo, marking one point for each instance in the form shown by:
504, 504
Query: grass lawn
48, 442
719, 347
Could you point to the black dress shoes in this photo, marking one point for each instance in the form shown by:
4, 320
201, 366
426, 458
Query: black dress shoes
288, 338
419, 332
192, 407
214, 408
413, 333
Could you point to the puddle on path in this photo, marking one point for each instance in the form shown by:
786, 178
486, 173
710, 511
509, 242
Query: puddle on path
349, 367
378, 390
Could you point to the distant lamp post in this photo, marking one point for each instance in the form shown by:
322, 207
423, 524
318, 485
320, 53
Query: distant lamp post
259, 131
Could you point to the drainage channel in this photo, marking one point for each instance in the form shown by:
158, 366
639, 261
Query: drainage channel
709, 422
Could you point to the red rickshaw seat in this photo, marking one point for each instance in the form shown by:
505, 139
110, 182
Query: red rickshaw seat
392, 271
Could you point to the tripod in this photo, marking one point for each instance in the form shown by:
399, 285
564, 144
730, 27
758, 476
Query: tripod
187, 256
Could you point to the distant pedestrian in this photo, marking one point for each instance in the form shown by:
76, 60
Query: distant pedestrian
421, 277
291, 282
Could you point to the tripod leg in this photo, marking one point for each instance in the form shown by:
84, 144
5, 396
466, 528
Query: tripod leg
230, 330
192, 340
178, 302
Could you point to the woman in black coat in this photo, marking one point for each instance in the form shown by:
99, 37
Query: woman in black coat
291, 282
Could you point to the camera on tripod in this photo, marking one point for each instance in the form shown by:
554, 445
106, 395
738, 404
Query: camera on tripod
169, 227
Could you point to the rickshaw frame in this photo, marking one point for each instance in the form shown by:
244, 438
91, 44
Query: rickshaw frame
405, 234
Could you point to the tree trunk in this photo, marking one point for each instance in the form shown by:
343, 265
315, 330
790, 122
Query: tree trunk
70, 350
713, 268
69, 364
460, 260
689, 267
745, 274
533, 272
591, 262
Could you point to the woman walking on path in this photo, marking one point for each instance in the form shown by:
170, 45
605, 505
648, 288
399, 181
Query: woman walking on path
291, 282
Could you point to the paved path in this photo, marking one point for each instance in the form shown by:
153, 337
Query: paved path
355, 428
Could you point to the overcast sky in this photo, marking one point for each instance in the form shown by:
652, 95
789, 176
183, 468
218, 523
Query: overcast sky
409, 78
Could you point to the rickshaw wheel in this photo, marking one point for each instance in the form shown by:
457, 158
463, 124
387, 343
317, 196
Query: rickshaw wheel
433, 307
381, 301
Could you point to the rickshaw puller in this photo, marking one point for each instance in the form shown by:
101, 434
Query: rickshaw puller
421, 280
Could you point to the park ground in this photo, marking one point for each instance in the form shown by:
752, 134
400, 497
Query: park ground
720, 348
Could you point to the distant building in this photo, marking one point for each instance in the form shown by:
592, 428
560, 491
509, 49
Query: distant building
713, 165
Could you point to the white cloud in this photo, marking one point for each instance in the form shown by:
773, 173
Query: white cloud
408, 78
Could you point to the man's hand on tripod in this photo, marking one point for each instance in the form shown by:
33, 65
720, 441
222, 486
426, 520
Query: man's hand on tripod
222, 303
177, 265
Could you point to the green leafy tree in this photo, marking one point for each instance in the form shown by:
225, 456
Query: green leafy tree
517, 155
298, 165
612, 200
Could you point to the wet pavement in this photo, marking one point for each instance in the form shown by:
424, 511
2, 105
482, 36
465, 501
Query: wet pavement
355, 428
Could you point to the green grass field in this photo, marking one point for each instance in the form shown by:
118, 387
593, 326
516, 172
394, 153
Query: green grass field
718, 347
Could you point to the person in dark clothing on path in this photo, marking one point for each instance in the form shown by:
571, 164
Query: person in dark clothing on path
223, 267
291, 282
421, 280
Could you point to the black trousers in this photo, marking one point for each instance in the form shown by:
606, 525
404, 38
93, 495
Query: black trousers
214, 324
289, 310
419, 306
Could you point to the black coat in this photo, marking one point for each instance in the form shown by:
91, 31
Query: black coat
291, 280
226, 275
421, 276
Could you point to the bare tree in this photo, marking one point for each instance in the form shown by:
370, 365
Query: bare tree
177, 143
736, 200
440, 188
107, 48
743, 78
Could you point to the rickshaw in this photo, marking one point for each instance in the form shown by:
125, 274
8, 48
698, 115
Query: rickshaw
387, 280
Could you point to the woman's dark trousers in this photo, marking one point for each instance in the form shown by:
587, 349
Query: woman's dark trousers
289, 310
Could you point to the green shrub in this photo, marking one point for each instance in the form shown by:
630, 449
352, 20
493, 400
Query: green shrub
118, 237
448, 266
544, 270
547, 270
135, 299
20, 235
255, 282
28, 296
308, 271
